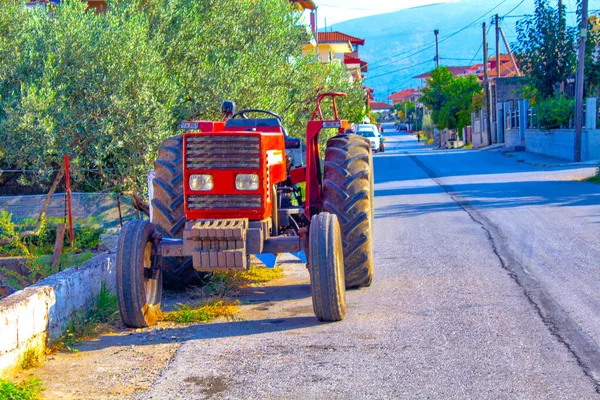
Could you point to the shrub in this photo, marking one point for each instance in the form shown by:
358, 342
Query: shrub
555, 112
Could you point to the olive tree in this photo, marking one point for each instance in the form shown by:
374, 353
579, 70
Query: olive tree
107, 89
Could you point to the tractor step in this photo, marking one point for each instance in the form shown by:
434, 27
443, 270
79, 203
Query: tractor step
216, 244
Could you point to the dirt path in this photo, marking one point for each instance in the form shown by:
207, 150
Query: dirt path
121, 364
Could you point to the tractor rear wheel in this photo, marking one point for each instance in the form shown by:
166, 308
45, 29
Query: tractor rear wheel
168, 214
348, 193
326, 263
138, 291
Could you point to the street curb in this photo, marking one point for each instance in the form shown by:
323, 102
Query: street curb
31, 317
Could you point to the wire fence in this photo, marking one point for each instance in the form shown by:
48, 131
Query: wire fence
23, 195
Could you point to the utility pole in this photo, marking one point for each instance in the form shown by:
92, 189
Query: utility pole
437, 48
579, 81
510, 53
560, 10
488, 103
497, 46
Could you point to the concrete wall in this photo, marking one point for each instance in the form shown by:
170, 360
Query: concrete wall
557, 143
560, 143
30, 317
590, 145
511, 138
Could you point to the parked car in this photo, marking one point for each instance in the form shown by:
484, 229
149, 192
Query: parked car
376, 130
372, 134
402, 127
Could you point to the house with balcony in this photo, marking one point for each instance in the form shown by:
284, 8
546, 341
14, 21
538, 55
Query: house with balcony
341, 48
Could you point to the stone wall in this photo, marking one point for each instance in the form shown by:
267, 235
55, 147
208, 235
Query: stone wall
31, 317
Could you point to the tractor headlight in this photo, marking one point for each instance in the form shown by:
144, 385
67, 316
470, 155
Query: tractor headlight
201, 182
246, 182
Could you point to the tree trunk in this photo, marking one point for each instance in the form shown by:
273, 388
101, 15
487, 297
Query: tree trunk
48, 198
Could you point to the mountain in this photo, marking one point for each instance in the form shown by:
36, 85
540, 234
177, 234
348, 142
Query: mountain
396, 44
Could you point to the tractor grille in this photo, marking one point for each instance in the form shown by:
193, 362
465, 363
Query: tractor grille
223, 152
224, 202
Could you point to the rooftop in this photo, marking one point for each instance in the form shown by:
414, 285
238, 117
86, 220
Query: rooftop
339, 37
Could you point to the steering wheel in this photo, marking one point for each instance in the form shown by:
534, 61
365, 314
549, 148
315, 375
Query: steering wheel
242, 113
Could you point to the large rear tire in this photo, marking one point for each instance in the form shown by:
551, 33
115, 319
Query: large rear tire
138, 292
326, 262
168, 214
348, 193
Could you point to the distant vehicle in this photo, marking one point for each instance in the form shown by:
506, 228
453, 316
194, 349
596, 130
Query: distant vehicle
376, 131
372, 135
402, 127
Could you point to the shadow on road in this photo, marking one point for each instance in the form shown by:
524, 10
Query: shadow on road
199, 332
494, 195
454, 163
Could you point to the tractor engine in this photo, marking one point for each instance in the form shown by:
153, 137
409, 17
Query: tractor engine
230, 190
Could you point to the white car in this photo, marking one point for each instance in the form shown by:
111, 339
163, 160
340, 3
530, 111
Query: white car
370, 132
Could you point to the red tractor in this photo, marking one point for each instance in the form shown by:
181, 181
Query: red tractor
225, 190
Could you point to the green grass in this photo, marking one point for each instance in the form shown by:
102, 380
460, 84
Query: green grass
594, 178
25, 390
214, 300
204, 311
100, 318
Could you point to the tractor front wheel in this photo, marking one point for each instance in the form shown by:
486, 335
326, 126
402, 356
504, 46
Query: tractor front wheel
348, 193
168, 214
139, 288
326, 262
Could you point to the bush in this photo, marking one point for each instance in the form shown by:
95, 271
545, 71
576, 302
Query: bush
555, 112
107, 89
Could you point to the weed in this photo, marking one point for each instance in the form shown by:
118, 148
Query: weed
32, 358
595, 178
39, 267
228, 283
257, 275
213, 299
8, 230
468, 146
25, 390
204, 311
103, 314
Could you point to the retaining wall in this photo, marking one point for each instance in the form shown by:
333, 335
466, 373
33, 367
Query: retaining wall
30, 317
557, 143
560, 143
512, 138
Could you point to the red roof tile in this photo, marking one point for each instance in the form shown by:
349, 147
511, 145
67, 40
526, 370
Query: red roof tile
355, 60
339, 37
378, 105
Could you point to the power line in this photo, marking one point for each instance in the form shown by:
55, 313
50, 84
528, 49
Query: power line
397, 70
400, 85
441, 40
517, 6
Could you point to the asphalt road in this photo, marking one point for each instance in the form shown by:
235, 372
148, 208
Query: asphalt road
486, 270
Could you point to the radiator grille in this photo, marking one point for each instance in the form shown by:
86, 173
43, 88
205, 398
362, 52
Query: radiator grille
224, 202
223, 152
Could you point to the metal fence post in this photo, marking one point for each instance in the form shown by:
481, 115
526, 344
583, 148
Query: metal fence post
523, 117
591, 113
500, 122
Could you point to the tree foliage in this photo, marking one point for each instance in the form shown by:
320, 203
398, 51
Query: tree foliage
107, 89
450, 98
592, 61
546, 47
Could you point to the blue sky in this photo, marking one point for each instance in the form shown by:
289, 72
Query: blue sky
341, 10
